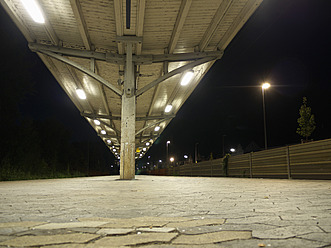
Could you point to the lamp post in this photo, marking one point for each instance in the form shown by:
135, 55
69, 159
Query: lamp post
167, 144
264, 87
172, 159
196, 152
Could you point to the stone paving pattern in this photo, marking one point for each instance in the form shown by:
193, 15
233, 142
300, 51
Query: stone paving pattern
165, 212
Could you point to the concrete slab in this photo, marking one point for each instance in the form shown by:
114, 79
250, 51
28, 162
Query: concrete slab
71, 225
193, 223
209, 238
116, 231
282, 213
135, 239
286, 232
157, 229
20, 224
26, 241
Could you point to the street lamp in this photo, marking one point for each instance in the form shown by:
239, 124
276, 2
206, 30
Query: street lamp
264, 87
168, 142
196, 152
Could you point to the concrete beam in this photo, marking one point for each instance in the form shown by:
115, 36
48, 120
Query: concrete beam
181, 17
120, 59
82, 69
217, 19
174, 72
78, 13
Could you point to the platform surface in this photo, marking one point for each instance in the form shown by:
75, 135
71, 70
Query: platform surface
165, 212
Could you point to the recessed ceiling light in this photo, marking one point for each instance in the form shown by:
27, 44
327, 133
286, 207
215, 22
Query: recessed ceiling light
168, 108
34, 10
81, 94
187, 77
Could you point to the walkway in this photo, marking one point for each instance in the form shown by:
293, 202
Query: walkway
165, 212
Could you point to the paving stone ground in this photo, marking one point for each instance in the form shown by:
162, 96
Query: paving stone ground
165, 212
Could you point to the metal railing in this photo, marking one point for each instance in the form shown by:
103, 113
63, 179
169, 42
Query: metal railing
310, 160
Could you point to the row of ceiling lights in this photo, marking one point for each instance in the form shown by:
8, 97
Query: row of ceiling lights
186, 79
36, 14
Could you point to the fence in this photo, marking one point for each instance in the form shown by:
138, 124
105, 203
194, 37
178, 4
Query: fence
303, 161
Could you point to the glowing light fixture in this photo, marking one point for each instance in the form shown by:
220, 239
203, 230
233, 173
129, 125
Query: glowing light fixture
157, 128
172, 159
185, 156
108, 141
103, 132
147, 143
232, 150
34, 10
96, 122
144, 149
187, 77
81, 94
168, 108
266, 86
114, 150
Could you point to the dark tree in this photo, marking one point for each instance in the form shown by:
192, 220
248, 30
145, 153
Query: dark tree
306, 121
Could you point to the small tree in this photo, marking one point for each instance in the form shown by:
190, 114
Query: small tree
306, 121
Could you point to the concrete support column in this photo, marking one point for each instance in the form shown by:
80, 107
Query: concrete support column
128, 120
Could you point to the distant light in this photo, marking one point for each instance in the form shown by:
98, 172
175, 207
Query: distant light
172, 159
168, 108
149, 156
114, 150
103, 132
160, 161
81, 94
34, 10
168, 142
185, 156
232, 150
157, 128
144, 149
187, 77
108, 141
111, 166
147, 143
147, 162
96, 122
265, 86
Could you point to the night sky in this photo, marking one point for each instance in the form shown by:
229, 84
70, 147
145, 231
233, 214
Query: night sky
285, 42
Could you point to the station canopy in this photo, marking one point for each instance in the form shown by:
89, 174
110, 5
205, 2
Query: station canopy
84, 45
